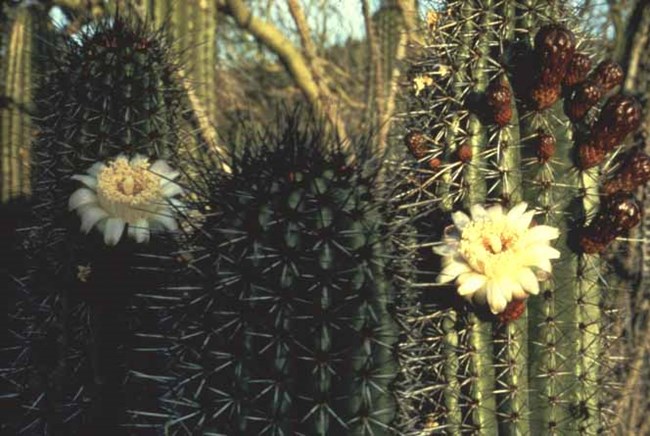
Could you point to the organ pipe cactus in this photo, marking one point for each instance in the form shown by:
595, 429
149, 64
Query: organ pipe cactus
517, 111
290, 325
107, 129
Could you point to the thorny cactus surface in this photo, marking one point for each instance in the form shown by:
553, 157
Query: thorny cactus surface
289, 326
108, 92
515, 107
16, 77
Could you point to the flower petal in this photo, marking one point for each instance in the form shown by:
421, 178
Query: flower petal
96, 168
137, 158
90, 215
517, 212
452, 270
89, 181
140, 231
445, 250
540, 234
470, 283
113, 231
171, 189
166, 220
460, 220
528, 281
495, 298
523, 223
478, 212
81, 197
495, 212
162, 169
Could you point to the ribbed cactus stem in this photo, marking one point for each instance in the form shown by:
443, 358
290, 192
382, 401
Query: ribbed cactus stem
15, 122
451, 366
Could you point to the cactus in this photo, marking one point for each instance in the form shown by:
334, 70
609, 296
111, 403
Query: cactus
16, 78
289, 328
109, 91
500, 121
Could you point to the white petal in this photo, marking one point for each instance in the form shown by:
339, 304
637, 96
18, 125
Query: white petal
479, 297
81, 197
523, 223
162, 168
528, 281
166, 220
470, 283
113, 231
89, 181
137, 158
90, 215
460, 220
495, 212
177, 205
96, 168
545, 251
478, 212
539, 234
171, 189
445, 250
140, 231
452, 270
516, 212
495, 298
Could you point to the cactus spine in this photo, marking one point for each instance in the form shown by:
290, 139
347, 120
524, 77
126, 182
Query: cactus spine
496, 117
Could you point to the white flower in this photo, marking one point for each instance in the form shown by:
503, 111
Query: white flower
123, 192
496, 257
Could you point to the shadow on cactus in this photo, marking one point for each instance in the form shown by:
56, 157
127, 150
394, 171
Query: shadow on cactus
507, 109
288, 324
107, 117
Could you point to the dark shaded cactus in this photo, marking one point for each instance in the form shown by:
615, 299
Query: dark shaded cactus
290, 326
107, 91
542, 366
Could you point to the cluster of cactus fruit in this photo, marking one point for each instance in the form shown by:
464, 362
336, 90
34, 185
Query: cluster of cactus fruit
283, 300
515, 115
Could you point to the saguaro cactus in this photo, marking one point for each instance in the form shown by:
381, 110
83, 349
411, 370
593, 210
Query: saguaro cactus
497, 123
107, 105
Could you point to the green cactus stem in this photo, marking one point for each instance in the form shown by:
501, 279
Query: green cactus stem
17, 74
499, 117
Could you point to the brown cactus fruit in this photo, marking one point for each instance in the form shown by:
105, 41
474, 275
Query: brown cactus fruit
578, 70
586, 95
554, 48
544, 147
634, 172
620, 116
464, 153
590, 154
544, 96
608, 75
499, 99
435, 163
617, 215
416, 143
512, 312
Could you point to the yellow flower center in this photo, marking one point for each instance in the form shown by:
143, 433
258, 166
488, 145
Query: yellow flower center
490, 248
129, 191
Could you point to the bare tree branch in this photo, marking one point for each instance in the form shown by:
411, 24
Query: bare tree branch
291, 57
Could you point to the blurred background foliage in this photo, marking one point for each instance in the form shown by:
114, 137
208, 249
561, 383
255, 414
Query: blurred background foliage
244, 58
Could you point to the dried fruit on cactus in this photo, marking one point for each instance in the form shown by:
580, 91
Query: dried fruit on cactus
554, 48
499, 100
608, 75
634, 172
586, 95
544, 147
617, 215
416, 142
578, 70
